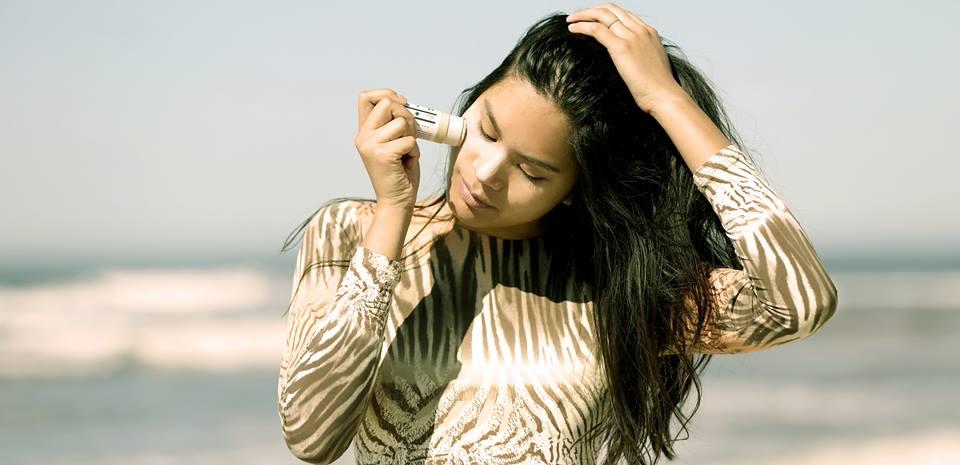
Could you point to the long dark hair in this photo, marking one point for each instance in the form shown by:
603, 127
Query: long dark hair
644, 236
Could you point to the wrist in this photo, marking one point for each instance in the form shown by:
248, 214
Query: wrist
392, 211
660, 102
387, 231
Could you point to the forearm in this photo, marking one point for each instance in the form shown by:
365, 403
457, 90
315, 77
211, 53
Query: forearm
332, 358
691, 130
783, 292
387, 231
335, 334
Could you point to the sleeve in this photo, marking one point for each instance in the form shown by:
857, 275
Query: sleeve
334, 336
783, 292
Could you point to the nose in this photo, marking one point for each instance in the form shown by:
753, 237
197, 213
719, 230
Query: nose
486, 168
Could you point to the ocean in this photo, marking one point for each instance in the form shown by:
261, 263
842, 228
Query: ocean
177, 364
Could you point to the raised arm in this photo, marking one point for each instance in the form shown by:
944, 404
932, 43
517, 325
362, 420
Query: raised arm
783, 292
334, 336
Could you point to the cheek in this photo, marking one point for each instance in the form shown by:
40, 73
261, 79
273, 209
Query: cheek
463, 158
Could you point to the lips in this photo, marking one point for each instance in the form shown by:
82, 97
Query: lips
476, 199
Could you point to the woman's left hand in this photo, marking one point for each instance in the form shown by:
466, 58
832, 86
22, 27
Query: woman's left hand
636, 51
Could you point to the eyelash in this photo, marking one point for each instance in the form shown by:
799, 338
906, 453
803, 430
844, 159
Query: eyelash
532, 179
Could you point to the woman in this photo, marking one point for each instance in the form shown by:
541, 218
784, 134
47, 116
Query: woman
623, 240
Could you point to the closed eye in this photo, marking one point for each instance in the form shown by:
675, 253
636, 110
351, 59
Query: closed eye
533, 179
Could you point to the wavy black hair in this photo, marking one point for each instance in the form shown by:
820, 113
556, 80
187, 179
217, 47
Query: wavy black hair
644, 237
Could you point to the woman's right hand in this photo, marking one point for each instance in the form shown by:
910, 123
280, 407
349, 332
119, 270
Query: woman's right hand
387, 144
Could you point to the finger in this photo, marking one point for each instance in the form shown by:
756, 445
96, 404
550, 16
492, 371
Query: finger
400, 112
598, 31
599, 14
377, 116
410, 120
637, 19
387, 109
403, 147
406, 145
394, 129
625, 16
369, 98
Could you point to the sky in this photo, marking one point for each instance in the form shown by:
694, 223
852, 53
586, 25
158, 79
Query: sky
195, 129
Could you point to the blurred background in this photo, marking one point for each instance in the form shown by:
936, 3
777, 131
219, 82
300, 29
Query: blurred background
156, 155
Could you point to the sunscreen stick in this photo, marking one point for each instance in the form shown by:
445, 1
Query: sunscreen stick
438, 126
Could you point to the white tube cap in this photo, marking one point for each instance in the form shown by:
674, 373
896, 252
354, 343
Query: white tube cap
456, 131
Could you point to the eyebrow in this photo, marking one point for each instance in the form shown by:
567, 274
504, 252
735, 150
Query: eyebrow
526, 158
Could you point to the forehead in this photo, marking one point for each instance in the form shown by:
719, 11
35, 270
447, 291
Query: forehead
530, 124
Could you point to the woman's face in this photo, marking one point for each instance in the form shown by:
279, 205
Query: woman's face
528, 137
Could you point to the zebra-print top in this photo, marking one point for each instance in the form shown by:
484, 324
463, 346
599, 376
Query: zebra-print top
461, 359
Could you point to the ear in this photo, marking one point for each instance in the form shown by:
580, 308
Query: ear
568, 201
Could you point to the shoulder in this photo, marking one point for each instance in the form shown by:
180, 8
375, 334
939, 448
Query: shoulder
359, 214
347, 221
339, 220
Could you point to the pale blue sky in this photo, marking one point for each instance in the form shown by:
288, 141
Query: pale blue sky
194, 128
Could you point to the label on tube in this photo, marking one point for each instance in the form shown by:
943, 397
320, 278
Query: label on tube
438, 126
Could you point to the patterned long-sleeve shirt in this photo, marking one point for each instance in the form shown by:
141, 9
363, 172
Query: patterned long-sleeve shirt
461, 358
